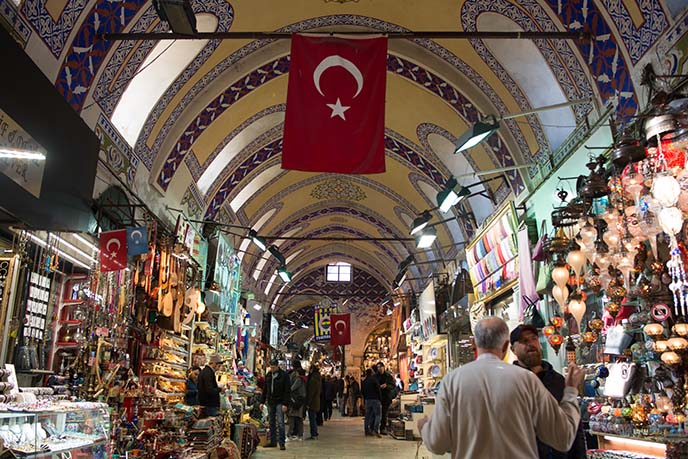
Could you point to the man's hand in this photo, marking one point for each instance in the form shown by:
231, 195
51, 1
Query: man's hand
422, 422
383, 386
574, 376
284, 408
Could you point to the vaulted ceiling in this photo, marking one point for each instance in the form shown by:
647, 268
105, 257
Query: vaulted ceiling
198, 124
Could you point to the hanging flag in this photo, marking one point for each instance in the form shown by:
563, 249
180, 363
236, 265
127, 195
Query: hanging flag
341, 329
137, 240
322, 323
335, 118
113, 250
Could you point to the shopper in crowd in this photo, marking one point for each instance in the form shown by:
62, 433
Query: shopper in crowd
354, 396
208, 389
330, 395
191, 398
297, 377
277, 394
387, 385
372, 396
526, 346
508, 405
399, 383
343, 409
260, 380
339, 388
313, 389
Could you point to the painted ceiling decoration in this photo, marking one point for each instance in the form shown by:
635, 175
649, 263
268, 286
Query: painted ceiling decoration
210, 143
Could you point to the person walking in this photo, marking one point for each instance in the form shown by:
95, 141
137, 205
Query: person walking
191, 397
372, 396
355, 394
277, 394
208, 389
297, 378
525, 344
345, 397
330, 394
508, 405
339, 388
313, 389
387, 385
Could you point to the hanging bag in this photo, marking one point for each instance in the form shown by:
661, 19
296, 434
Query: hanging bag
539, 250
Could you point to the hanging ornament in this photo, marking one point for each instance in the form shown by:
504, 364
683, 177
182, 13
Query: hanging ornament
671, 358
577, 309
557, 321
654, 330
560, 295
589, 337
665, 189
588, 233
549, 330
613, 308
576, 259
671, 220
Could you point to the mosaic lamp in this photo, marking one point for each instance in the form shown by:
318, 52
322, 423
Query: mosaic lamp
653, 330
576, 258
560, 276
577, 309
666, 189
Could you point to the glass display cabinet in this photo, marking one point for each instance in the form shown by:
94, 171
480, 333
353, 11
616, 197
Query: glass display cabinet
68, 432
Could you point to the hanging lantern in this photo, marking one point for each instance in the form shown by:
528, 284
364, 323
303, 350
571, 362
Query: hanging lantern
671, 220
625, 265
661, 346
555, 341
611, 238
671, 358
613, 308
560, 276
557, 321
665, 189
589, 337
627, 150
577, 309
576, 259
681, 328
549, 330
560, 295
588, 233
677, 343
653, 330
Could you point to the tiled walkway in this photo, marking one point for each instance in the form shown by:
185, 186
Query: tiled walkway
343, 438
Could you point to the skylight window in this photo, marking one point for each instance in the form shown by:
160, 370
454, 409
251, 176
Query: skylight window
338, 272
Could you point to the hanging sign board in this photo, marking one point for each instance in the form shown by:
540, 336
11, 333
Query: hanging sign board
27, 173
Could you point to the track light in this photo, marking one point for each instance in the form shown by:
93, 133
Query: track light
257, 240
449, 196
425, 239
284, 274
178, 14
277, 254
479, 132
399, 280
420, 222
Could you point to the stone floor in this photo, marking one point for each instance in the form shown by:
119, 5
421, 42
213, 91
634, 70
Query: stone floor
343, 438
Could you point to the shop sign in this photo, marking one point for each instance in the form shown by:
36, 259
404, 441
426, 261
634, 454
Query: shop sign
322, 323
26, 173
274, 332
228, 277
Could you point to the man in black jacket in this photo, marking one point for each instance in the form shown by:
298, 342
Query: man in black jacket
526, 345
372, 395
208, 390
387, 385
277, 394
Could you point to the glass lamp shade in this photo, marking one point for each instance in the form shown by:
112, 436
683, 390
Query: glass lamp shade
555, 341
611, 216
576, 259
200, 307
671, 358
611, 238
560, 276
625, 265
671, 220
560, 294
603, 260
677, 343
557, 321
577, 309
588, 233
681, 328
650, 229
653, 330
549, 330
634, 186
666, 189
661, 346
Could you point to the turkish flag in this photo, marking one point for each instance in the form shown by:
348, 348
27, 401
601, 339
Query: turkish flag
113, 250
340, 329
335, 119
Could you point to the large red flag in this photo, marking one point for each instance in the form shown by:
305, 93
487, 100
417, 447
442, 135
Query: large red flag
335, 120
113, 250
340, 329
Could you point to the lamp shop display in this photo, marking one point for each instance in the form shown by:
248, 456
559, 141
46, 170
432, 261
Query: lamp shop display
616, 264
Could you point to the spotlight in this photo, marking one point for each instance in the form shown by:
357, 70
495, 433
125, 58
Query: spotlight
257, 240
284, 274
277, 254
425, 239
178, 14
479, 132
449, 197
420, 222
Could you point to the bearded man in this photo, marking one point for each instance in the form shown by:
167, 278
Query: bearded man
525, 344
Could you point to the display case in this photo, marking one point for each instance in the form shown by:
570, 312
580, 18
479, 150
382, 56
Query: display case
83, 432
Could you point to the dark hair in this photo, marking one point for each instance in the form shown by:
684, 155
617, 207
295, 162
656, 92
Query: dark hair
381, 363
194, 368
369, 372
296, 364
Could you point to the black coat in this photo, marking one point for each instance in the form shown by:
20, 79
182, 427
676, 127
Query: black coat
387, 392
208, 390
277, 388
370, 388
313, 390
191, 398
555, 384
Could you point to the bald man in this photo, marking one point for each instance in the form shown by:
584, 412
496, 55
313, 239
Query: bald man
489, 408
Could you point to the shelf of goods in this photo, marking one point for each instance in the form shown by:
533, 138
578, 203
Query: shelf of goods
493, 256
612, 446
64, 429
164, 364
72, 319
434, 363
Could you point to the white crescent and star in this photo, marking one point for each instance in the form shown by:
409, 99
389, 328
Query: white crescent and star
113, 253
337, 328
139, 235
338, 61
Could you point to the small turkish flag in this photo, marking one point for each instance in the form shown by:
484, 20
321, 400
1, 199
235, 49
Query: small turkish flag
340, 329
335, 119
113, 250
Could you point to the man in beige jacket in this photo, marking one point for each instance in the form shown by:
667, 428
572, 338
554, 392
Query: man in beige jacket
491, 409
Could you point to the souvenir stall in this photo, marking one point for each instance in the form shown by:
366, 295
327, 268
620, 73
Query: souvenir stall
617, 268
492, 258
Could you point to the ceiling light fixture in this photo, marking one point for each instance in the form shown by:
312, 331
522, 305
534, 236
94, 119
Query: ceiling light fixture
484, 129
257, 240
274, 251
425, 239
284, 274
450, 196
178, 14
16, 153
257, 307
420, 222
